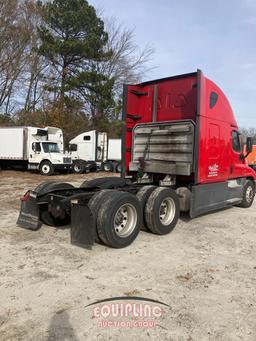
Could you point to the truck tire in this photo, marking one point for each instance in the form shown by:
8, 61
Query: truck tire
78, 167
41, 188
248, 195
105, 183
107, 166
46, 168
143, 195
119, 167
162, 210
93, 167
94, 205
119, 219
48, 186
46, 217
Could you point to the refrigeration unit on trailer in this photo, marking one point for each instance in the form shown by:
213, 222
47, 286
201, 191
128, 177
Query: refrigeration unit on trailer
91, 150
33, 148
56, 135
182, 151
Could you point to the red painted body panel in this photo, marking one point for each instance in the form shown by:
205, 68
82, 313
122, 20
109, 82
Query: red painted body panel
176, 100
188, 97
217, 160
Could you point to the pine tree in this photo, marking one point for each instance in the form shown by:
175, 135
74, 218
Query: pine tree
74, 41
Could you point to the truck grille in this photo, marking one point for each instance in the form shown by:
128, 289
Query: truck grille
67, 160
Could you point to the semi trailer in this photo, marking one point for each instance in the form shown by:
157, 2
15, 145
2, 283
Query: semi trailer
181, 151
93, 150
33, 148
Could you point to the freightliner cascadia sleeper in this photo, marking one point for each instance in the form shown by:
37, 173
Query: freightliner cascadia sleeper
181, 151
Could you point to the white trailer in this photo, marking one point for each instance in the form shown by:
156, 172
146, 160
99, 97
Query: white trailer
33, 148
92, 150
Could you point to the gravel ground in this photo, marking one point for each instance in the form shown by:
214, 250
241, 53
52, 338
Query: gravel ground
205, 271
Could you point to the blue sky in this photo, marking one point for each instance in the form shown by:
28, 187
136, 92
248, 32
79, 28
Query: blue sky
218, 37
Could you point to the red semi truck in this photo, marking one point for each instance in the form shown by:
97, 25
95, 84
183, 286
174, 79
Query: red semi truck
181, 151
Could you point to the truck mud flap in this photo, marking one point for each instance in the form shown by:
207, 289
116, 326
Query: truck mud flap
83, 226
29, 217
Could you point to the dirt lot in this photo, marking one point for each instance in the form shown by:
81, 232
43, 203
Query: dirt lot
205, 270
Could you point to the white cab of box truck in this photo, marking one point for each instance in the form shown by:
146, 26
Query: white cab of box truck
92, 147
33, 148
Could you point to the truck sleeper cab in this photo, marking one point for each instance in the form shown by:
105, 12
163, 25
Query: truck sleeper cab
181, 151
183, 127
93, 150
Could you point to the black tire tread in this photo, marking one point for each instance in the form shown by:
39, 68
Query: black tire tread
45, 216
244, 203
152, 210
105, 213
94, 205
51, 168
104, 183
143, 195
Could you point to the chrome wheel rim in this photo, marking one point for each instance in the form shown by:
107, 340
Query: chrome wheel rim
167, 211
125, 220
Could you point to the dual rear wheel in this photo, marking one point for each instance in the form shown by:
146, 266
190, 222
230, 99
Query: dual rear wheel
112, 166
120, 215
161, 209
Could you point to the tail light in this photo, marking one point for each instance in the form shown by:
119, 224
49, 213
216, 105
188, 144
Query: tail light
26, 196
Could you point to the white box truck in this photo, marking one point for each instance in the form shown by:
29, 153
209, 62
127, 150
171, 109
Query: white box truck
33, 148
92, 150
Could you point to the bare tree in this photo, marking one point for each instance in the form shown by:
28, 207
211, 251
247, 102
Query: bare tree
128, 63
250, 132
36, 70
14, 38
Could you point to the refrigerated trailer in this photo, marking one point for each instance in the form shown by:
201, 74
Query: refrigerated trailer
93, 149
182, 151
33, 148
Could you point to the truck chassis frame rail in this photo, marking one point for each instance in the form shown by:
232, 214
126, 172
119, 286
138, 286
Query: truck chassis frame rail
111, 213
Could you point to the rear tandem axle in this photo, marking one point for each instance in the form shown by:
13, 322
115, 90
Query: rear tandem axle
108, 210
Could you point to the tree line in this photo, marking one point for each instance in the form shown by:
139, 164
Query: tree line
62, 64
249, 132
